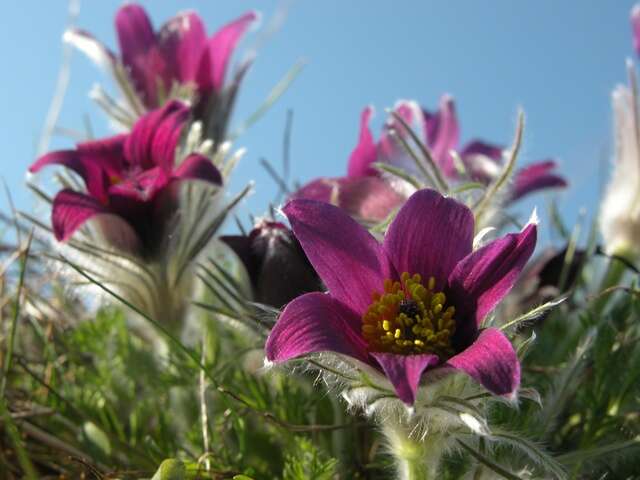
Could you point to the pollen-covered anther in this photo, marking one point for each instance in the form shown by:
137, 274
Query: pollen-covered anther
409, 317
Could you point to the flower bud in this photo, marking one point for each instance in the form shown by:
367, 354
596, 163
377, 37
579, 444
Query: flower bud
277, 266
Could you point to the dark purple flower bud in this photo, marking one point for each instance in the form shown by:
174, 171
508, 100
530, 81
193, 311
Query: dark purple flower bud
277, 266
543, 280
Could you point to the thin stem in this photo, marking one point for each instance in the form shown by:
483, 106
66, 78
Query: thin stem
16, 316
415, 458
203, 407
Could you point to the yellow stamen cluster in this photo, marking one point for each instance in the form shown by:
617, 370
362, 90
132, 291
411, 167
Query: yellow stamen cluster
409, 318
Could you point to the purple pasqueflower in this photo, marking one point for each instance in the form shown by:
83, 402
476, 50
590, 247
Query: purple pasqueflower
277, 267
440, 132
130, 181
179, 54
414, 303
364, 193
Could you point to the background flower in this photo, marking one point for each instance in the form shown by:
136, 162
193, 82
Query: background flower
366, 193
131, 182
177, 61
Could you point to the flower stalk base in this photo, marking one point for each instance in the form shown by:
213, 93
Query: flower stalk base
415, 458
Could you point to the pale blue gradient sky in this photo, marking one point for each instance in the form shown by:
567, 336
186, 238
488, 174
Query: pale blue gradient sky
558, 60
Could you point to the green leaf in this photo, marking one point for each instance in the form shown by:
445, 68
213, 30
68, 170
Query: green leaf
171, 469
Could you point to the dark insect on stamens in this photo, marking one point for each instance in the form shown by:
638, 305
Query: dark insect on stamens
409, 308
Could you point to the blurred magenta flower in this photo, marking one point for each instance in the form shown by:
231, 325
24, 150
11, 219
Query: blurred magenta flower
130, 180
277, 266
363, 192
635, 27
163, 64
440, 132
413, 303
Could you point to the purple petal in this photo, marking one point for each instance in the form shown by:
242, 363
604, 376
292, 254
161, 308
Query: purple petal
350, 262
71, 210
635, 26
537, 176
491, 361
315, 322
368, 198
154, 137
216, 58
97, 163
404, 372
443, 134
483, 278
483, 161
478, 147
198, 167
430, 235
183, 40
140, 53
364, 155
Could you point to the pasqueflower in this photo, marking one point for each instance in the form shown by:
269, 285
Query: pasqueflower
177, 61
276, 265
365, 194
131, 182
413, 303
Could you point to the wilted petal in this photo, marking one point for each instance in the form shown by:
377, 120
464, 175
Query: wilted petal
483, 278
491, 361
347, 258
198, 167
404, 372
430, 235
183, 40
537, 176
71, 210
221, 46
364, 155
315, 322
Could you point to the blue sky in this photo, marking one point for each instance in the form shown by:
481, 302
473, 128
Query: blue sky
557, 60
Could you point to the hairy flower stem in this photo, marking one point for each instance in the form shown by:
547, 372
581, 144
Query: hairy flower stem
415, 458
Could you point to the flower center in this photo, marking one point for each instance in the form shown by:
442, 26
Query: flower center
409, 318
